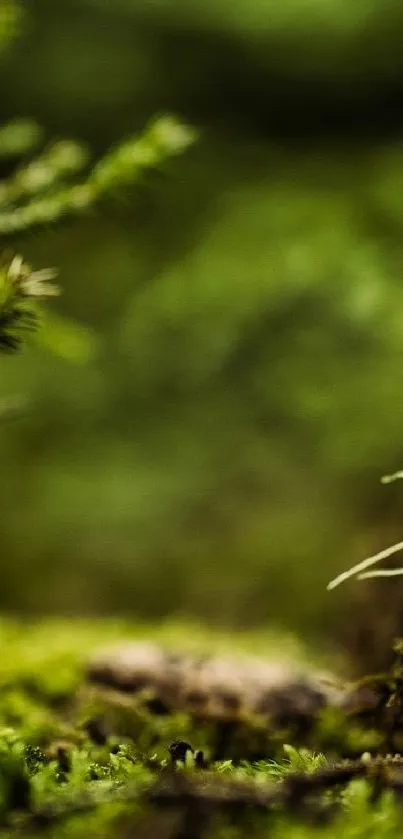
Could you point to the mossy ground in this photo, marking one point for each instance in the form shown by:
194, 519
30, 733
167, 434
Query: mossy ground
74, 763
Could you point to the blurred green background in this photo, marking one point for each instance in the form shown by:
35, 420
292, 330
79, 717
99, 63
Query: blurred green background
221, 454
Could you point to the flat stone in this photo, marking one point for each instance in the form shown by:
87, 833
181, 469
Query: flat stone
217, 686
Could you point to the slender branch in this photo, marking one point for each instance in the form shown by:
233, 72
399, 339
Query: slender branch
362, 566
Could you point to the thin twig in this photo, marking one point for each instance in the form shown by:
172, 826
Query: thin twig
386, 572
366, 563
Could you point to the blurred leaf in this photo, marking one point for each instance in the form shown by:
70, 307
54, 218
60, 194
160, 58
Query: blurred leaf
162, 138
19, 137
389, 479
11, 13
66, 338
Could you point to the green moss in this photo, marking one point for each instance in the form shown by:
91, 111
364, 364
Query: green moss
81, 764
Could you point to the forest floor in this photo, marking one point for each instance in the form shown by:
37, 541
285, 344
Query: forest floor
87, 750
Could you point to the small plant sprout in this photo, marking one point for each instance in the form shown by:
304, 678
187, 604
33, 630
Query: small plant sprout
21, 289
360, 571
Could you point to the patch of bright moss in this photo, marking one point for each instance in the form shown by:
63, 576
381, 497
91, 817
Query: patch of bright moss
78, 764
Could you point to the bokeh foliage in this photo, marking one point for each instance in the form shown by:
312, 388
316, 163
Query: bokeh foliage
222, 453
